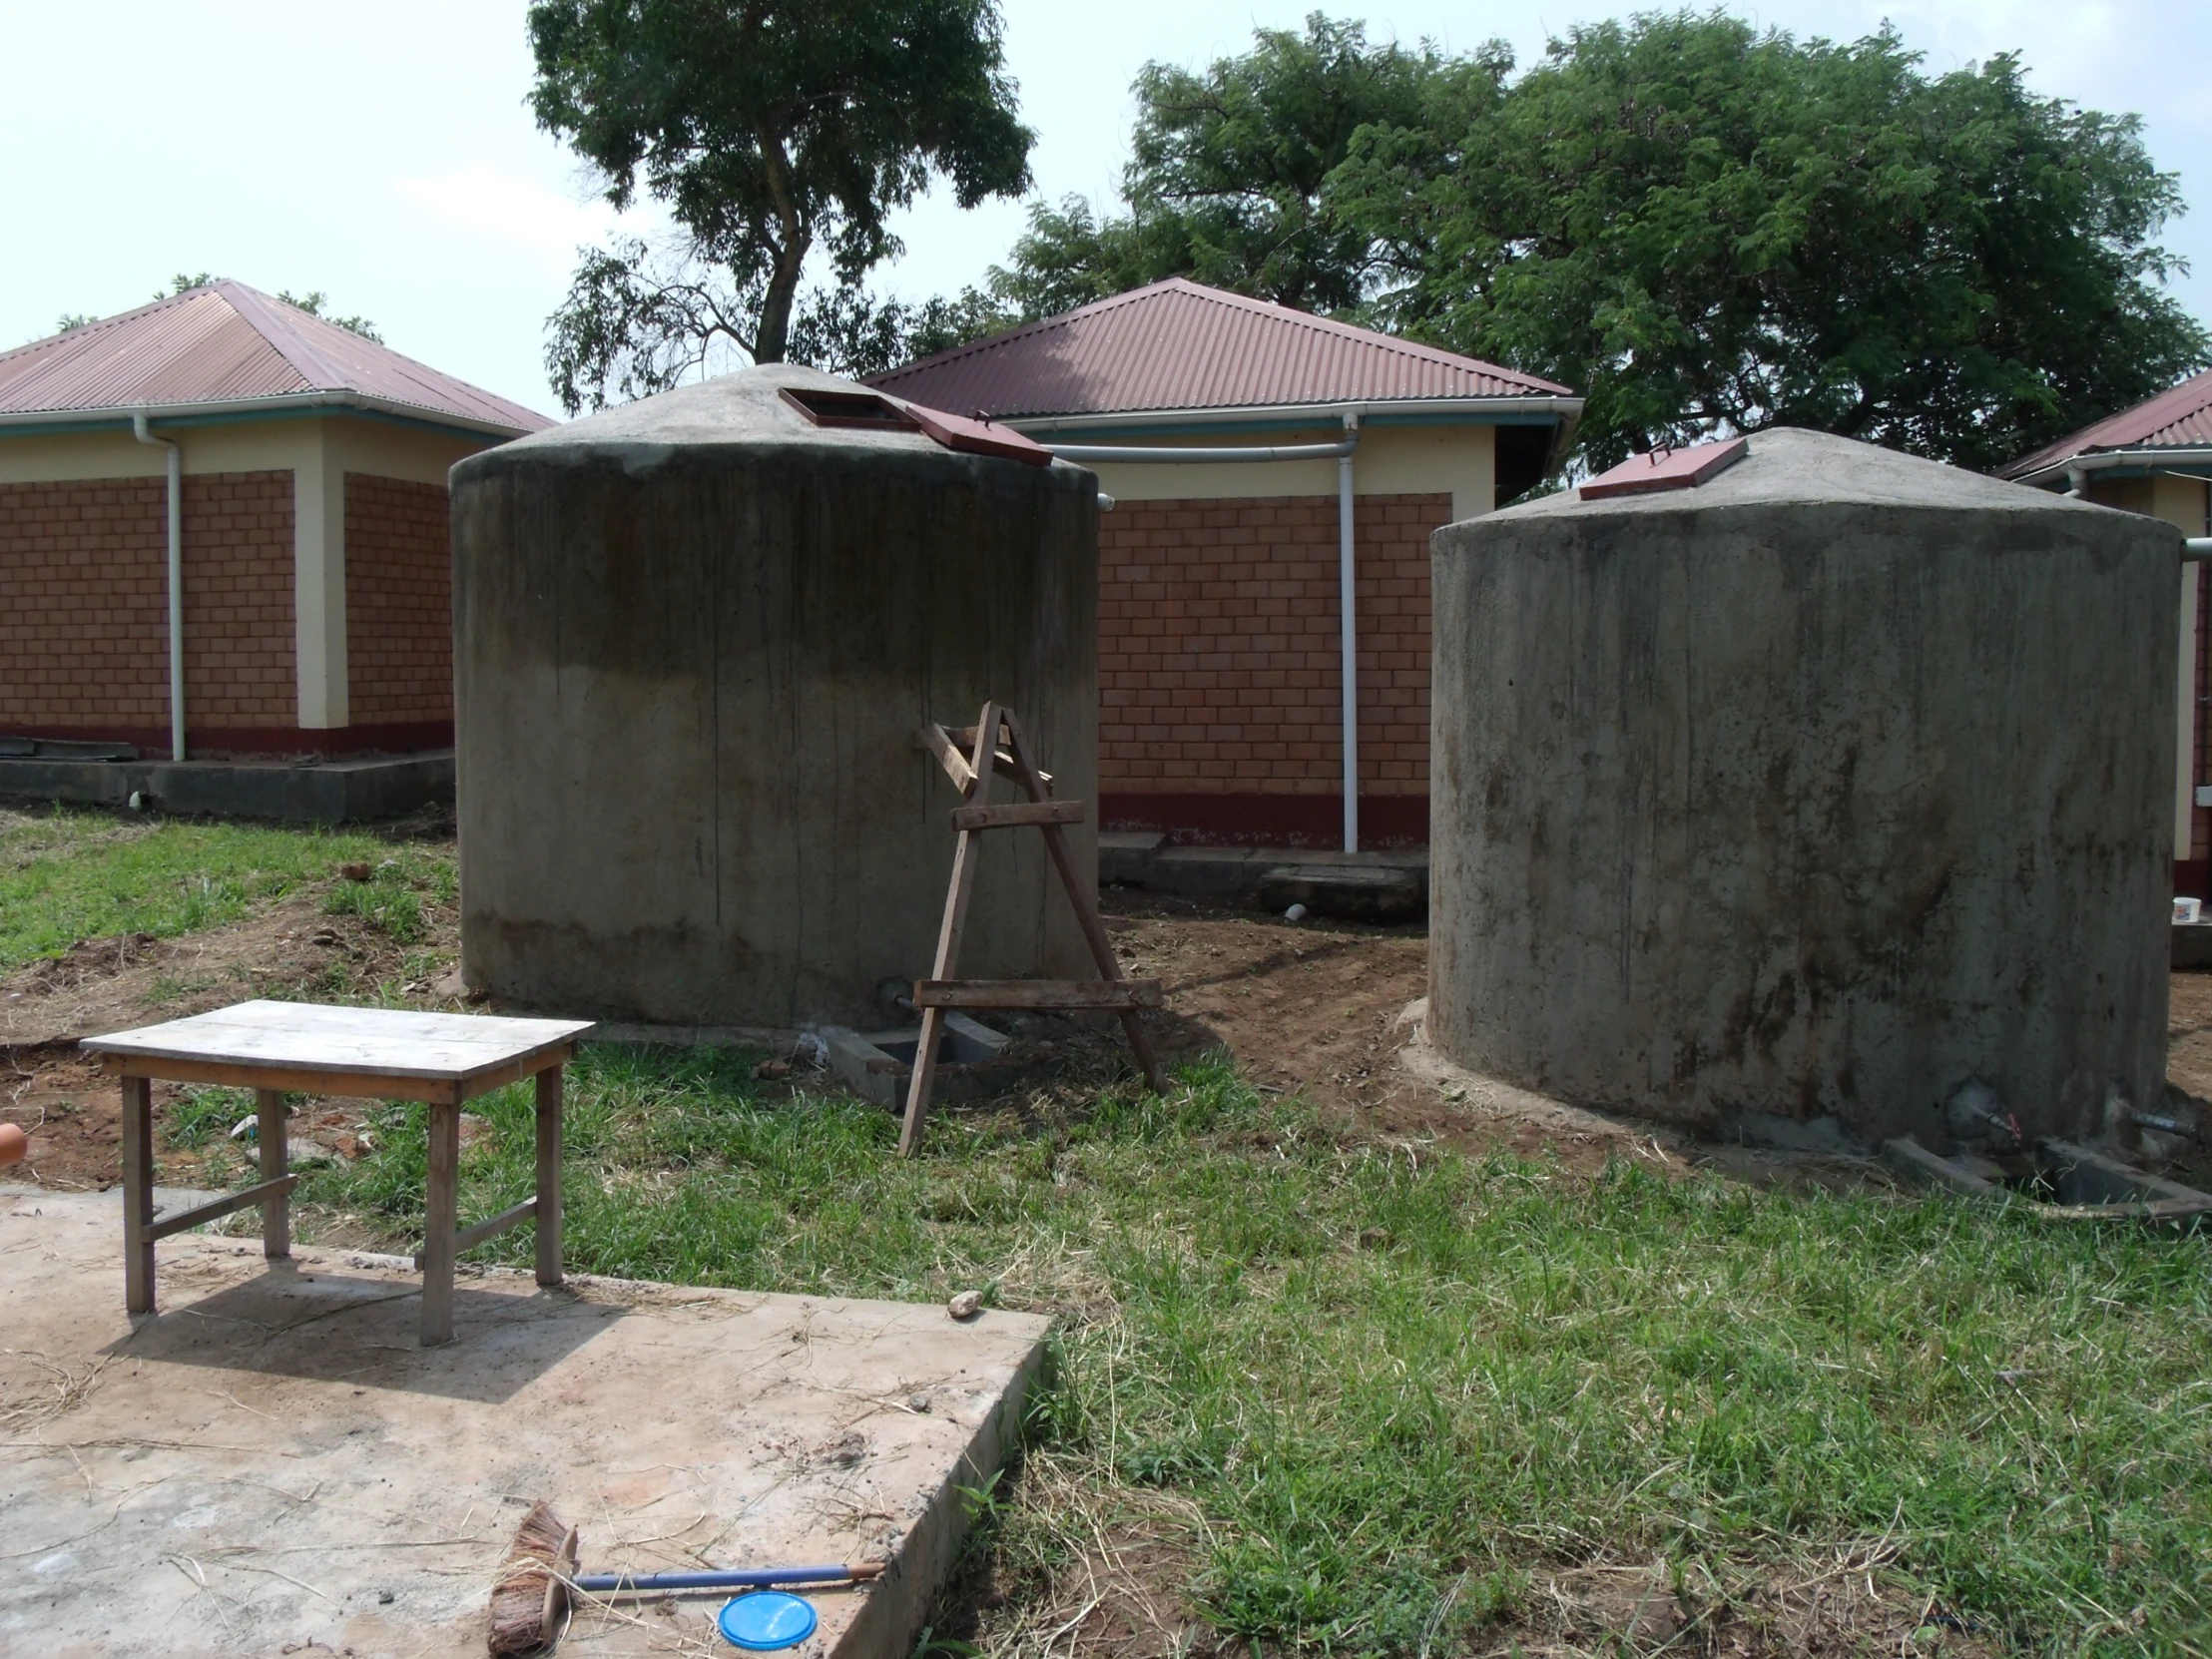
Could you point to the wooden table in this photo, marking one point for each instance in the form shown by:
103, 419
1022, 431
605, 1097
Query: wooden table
371, 1053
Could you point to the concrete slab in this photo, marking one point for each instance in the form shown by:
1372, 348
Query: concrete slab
272, 1463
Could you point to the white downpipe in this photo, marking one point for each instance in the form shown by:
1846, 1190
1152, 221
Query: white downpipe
139, 432
1346, 607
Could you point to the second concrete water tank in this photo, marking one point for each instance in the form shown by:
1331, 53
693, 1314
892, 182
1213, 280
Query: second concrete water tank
694, 639
1798, 800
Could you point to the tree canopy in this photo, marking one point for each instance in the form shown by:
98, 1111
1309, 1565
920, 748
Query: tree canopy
769, 130
314, 302
1701, 226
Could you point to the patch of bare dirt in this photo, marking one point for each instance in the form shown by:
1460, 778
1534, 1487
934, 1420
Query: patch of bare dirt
1314, 1008
1849, 1603
107, 984
1127, 1596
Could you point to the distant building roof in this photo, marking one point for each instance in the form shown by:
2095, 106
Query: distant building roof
234, 348
2177, 420
1180, 346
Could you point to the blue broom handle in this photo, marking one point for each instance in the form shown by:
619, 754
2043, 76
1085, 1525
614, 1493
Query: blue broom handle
736, 1578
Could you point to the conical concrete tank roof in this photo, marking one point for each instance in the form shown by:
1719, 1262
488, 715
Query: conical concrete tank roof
763, 409
1787, 465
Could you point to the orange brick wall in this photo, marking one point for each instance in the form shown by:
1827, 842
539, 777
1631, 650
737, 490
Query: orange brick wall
399, 602
1218, 660
84, 610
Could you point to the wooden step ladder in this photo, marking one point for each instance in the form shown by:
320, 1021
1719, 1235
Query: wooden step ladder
997, 747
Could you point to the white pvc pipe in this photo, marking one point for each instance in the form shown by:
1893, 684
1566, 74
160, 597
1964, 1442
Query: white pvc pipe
1348, 612
1174, 454
139, 432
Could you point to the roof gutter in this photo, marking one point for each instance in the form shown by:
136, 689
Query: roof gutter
2076, 470
291, 403
176, 458
1205, 454
1567, 408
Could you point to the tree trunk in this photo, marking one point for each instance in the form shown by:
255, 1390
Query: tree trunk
772, 338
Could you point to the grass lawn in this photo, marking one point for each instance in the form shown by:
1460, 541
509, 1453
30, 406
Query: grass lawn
74, 875
1347, 1396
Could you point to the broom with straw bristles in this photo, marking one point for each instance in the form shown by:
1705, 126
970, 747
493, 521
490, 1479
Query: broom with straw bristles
532, 1593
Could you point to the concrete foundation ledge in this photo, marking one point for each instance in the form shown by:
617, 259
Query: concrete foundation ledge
1385, 886
326, 792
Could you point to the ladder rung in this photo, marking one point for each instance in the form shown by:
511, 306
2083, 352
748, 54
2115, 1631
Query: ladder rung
1037, 993
1018, 813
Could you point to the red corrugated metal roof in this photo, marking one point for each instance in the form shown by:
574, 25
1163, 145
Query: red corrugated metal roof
228, 342
2177, 420
1180, 345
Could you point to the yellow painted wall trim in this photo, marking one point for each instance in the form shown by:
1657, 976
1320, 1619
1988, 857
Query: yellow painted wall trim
1460, 461
319, 585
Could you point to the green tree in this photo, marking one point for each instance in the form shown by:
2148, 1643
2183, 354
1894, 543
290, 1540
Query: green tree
1701, 227
1230, 168
1229, 174
769, 130
1705, 228
313, 302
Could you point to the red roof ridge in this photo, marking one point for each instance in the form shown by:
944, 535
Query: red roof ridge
225, 343
82, 331
1043, 324
1271, 312
1353, 332
265, 313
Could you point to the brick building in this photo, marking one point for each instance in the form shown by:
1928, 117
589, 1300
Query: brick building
2156, 458
1263, 462
308, 525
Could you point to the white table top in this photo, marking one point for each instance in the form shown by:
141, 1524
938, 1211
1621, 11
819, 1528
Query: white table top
310, 1036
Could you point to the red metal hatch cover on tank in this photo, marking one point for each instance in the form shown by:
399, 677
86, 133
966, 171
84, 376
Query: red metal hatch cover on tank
1665, 469
873, 409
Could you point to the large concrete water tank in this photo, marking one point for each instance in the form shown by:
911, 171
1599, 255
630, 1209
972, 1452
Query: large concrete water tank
694, 639
1794, 803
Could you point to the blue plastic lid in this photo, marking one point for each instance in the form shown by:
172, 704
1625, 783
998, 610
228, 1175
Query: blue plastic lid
768, 1619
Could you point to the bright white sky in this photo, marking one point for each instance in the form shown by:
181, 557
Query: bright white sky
384, 154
